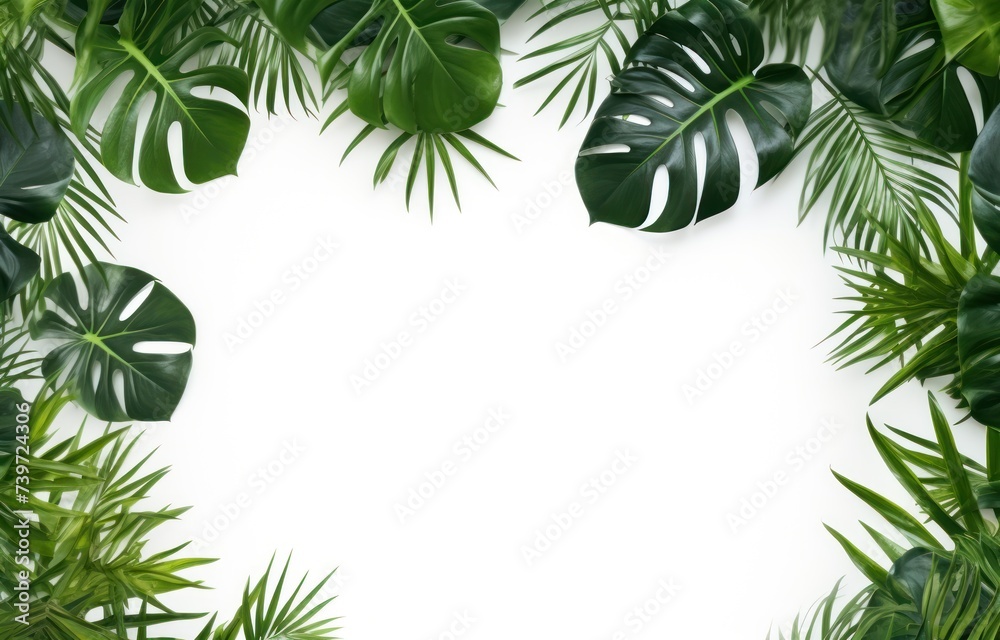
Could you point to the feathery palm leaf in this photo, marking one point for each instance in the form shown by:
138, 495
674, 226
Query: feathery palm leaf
791, 24
89, 534
869, 169
428, 149
270, 62
265, 615
591, 55
17, 362
907, 303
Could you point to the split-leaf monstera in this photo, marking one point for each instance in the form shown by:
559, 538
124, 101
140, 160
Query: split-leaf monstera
430, 67
894, 65
430, 82
971, 32
149, 50
109, 336
36, 165
682, 78
984, 172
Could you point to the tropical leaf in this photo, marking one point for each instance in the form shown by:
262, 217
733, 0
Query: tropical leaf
588, 55
36, 165
984, 172
110, 337
907, 305
336, 21
824, 622
791, 25
432, 83
81, 227
213, 132
18, 363
76, 236
441, 61
89, 557
267, 614
897, 70
971, 32
502, 9
979, 348
271, 64
76, 11
429, 149
682, 77
866, 166
18, 265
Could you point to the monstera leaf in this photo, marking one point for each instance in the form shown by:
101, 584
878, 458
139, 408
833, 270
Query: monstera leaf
893, 66
971, 32
694, 66
36, 165
150, 53
984, 172
432, 66
417, 77
865, 63
979, 348
18, 265
108, 337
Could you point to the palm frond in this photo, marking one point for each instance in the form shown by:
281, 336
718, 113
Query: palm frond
273, 66
428, 150
872, 171
824, 621
82, 227
265, 614
590, 55
17, 362
791, 25
89, 535
907, 304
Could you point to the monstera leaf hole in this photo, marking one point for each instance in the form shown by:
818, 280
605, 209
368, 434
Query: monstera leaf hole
974, 97
123, 342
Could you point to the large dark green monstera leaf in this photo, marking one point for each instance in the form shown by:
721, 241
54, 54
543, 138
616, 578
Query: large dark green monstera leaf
664, 99
151, 52
108, 337
984, 172
891, 61
36, 165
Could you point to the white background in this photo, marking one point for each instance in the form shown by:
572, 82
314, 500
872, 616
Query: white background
349, 459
